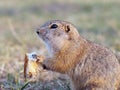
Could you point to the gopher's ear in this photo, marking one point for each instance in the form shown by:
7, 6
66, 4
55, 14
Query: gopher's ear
67, 29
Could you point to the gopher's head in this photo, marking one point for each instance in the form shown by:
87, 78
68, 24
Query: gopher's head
56, 34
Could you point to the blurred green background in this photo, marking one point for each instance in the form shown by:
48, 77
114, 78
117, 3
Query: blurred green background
96, 20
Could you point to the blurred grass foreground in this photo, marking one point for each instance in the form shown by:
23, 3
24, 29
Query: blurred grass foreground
96, 20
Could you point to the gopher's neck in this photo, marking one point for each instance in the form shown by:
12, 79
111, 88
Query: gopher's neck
71, 54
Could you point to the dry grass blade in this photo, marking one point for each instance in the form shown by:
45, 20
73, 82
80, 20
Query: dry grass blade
12, 29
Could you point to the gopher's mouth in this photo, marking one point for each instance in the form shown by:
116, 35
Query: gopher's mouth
44, 37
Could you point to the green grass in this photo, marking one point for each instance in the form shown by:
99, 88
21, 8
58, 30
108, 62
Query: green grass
98, 21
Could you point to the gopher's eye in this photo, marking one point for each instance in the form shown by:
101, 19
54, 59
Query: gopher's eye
54, 26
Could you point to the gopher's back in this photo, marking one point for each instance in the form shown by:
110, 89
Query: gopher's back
99, 70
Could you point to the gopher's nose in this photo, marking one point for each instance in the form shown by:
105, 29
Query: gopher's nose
41, 31
37, 32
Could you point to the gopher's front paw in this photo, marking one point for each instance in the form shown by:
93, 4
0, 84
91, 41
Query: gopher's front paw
40, 58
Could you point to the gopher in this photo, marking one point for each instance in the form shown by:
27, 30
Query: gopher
90, 66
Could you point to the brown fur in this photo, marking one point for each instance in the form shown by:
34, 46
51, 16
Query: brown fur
90, 66
25, 66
